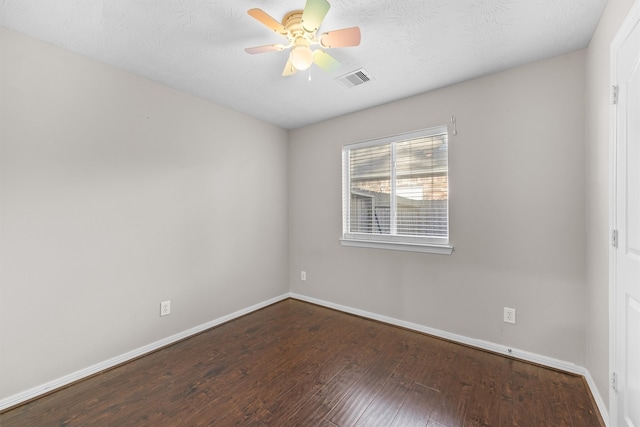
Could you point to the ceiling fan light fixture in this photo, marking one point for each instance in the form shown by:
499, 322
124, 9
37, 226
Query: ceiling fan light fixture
301, 56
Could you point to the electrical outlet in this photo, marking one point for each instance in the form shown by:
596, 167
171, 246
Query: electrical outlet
303, 275
165, 308
510, 315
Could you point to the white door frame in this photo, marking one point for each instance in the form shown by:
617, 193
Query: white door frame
625, 29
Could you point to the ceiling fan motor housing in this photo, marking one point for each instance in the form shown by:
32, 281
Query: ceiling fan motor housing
292, 21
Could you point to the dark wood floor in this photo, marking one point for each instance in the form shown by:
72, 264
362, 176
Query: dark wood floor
297, 364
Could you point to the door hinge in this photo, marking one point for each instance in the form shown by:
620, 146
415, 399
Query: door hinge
614, 238
614, 95
614, 382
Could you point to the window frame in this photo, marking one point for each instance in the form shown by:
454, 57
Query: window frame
393, 241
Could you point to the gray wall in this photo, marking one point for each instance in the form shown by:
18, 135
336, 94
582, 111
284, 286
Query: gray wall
597, 141
118, 193
517, 211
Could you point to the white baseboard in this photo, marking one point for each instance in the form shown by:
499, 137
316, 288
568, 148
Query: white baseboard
481, 344
99, 367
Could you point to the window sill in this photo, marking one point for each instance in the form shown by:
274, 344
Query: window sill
397, 246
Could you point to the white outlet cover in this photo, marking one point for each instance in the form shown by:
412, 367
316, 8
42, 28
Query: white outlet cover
165, 308
510, 315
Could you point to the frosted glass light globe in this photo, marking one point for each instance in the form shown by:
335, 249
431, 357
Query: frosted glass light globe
301, 57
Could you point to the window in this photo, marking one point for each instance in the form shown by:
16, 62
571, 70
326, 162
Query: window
396, 192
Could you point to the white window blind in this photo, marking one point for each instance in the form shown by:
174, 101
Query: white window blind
396, 189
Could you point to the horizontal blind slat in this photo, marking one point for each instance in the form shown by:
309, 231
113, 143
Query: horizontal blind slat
421, 170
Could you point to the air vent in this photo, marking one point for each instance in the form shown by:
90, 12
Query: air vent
355, 78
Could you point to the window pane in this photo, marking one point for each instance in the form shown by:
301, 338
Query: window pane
422, 186
396, 189
370, 189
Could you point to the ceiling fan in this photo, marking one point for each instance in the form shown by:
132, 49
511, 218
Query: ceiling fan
300, 27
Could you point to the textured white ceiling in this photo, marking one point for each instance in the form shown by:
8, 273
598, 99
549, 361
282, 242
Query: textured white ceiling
408, 46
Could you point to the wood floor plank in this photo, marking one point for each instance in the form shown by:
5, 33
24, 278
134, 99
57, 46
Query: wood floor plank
298, 364
553, 405
385, 406
279, 371
320, 369
522, 380
358, 399
395, 400
451, 404
315, 409
417, 407
582, 407
371, 339
484, 403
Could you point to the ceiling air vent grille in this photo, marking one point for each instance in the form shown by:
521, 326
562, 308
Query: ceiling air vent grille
355, 78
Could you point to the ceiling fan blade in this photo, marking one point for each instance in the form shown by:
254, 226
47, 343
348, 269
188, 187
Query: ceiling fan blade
267, 20
341, 38
263, 49
325, 61
289, 69
313, 14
